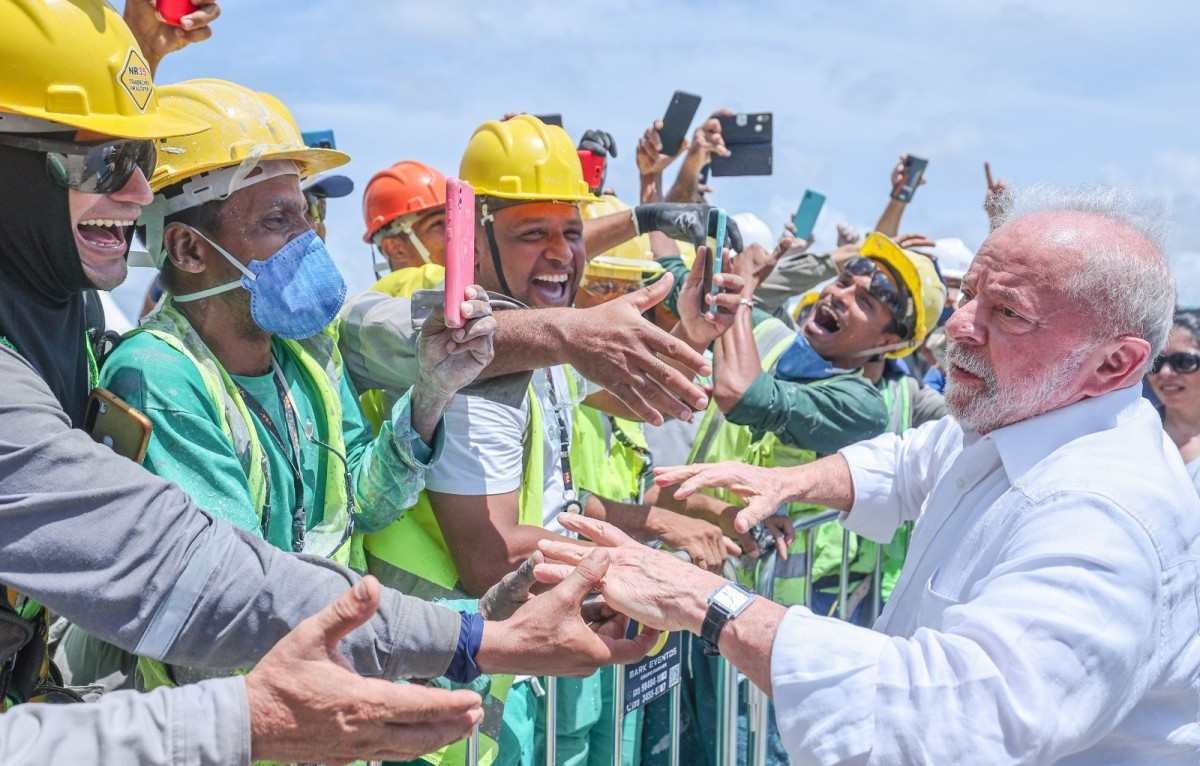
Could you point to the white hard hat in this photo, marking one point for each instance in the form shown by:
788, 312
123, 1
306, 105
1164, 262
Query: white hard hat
953, 257
755, 231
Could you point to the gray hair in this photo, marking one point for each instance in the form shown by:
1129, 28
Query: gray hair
1129, 300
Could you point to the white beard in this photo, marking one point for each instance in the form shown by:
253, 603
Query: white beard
995, 408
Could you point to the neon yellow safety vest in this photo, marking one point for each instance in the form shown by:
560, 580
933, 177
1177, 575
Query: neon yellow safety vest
318, 357
411, 555
609, 456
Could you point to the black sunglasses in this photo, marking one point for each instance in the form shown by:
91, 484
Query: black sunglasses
1182, 362
891, 294
94, 168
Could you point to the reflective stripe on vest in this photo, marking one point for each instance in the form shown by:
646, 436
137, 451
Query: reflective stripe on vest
319, 360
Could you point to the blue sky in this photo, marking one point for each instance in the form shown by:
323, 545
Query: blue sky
1064, 92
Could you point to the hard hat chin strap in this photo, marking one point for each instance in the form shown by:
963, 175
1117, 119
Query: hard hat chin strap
880, 350
486, 218
407, 230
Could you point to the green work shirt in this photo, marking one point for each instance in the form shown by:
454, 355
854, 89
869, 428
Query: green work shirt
189, 447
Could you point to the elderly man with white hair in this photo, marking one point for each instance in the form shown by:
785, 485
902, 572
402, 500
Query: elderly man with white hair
1048, 611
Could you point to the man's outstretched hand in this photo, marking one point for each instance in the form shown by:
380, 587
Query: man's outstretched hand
617, 348
549, 636
307, 705
655, 588
762, 489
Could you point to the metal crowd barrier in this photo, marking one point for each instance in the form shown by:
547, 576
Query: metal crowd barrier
728, 677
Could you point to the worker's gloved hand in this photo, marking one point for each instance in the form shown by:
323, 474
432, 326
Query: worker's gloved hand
599, 142
684, 221
506, 597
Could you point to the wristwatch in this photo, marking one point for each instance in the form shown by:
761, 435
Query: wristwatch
724, 604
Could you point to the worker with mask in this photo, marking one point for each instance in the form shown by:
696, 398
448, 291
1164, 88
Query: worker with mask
90, 535
240, 376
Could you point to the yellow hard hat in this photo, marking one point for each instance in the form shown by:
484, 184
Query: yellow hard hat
625, 269
920, 279
76, 64
242, 125
524, 159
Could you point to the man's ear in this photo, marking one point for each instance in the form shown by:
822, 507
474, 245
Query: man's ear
185, 248
1122, 363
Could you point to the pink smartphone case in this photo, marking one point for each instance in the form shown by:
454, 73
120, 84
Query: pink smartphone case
460, 247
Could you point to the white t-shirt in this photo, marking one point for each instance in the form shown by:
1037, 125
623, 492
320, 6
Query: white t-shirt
483, 452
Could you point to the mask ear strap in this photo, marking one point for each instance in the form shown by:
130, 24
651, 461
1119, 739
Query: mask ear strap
407, 229
218, 289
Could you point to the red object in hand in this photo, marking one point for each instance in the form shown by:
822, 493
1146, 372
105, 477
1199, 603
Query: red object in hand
173, 11
594, 167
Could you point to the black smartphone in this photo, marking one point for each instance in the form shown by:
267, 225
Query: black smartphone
748, 137
678, 120
550, 119
914, 168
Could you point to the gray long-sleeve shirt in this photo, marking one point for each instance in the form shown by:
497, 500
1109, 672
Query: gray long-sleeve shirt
128, 557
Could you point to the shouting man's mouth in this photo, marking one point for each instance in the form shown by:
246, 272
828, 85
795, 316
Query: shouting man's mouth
104, 235
552, 288
825, 320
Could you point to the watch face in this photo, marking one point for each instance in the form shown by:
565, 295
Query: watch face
730, 598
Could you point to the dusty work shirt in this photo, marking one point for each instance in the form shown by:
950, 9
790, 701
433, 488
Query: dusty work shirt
1048, 611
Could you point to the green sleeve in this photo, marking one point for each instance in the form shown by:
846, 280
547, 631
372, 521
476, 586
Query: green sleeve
675, 265
388, 469
820, 415
187, 445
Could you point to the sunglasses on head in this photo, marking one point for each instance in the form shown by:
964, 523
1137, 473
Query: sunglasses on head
103, 167
1182, 362
891, 294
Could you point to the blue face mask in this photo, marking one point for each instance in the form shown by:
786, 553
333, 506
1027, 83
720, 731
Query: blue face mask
801, 362
294, 294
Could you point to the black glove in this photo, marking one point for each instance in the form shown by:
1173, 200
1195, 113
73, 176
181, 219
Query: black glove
684, 221
599, 142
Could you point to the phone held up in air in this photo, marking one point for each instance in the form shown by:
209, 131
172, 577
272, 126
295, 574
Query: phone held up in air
113, 422
550, 119
806, 215
715, 262
460, 247
914, 168
677, 120
748, 137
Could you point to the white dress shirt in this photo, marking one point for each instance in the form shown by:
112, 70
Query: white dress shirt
1048, 611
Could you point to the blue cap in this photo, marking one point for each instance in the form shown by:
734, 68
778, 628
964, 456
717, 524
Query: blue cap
330, 186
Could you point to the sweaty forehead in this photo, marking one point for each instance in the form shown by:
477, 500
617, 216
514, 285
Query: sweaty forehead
278, 192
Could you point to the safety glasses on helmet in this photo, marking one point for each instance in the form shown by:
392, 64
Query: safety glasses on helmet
1182, 362
102, 167
891, 294
315, 207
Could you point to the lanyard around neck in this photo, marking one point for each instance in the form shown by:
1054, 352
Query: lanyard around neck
572, 504
291, 451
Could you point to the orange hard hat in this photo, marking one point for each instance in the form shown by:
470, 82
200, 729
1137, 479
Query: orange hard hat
404, 188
